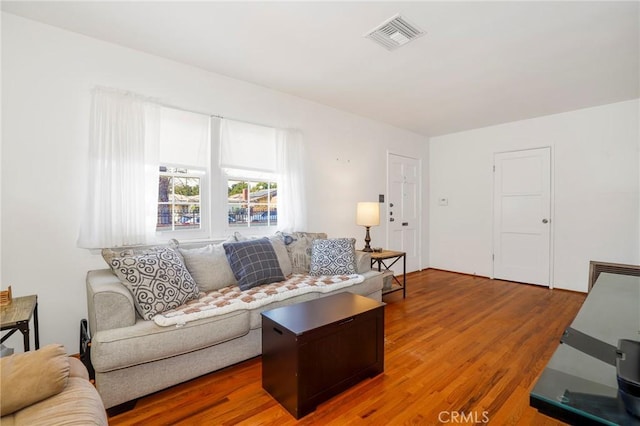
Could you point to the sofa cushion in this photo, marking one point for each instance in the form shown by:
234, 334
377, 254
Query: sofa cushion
30, 377
208, 266
157, 279
146, 342
253, 262
334, 256
299, 248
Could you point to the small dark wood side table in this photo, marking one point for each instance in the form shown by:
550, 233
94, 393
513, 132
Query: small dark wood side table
16, 317
378, 258
311, 351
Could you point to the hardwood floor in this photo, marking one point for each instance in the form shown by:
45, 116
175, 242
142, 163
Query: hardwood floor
457, 346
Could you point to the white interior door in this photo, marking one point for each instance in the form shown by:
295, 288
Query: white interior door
522, 222
403, 208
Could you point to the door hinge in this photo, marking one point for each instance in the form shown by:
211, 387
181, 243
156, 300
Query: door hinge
494, 168
493, 257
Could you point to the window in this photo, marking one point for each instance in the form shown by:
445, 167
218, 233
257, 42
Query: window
252, 203
159, 172
248, 158
193, 148
215, 175
184, 158
179, 206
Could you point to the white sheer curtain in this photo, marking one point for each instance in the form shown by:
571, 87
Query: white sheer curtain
123, 171
292, 196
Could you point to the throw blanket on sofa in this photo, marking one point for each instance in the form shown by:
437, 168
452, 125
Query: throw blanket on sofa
231, 298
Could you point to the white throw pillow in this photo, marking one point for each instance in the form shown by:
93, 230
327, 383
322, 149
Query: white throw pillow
209, 267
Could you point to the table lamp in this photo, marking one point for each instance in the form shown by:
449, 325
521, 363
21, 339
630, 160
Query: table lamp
368, 215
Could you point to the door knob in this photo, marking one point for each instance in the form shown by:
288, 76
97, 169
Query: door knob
391, 220
545, 221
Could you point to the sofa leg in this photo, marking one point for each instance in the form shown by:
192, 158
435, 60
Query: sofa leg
122, 408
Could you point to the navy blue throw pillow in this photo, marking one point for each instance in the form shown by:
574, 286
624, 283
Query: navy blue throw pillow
253, 262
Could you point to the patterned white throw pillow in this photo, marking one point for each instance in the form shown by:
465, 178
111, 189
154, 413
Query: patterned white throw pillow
157, 279
333, 256
299, 245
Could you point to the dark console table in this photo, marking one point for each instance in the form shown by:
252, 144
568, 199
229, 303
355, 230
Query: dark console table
580, 389
314, 350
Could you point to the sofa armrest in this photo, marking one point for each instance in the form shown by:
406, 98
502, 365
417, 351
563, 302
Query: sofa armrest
77, 369
363, 262
109, 303
30, 377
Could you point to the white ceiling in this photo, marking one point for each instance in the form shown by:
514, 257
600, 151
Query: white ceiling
480, 63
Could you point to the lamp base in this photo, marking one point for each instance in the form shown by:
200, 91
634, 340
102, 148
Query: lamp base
367, 239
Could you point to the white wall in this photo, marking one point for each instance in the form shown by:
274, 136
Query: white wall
426, 206
595, 184
47, 75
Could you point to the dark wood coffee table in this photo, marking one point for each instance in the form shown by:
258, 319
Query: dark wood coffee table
311, 351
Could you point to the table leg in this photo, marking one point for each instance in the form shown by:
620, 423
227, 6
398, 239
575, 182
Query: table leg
24, 329
404, 276
36, 327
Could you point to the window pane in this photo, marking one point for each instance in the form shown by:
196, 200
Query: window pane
178, 199
237, 201
164, 218
237, 216
252, 203
187, 190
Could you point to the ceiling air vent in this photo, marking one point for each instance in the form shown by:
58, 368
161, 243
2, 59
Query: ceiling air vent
394, 33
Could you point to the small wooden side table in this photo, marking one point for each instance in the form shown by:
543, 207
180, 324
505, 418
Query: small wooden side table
16, 317
379, 259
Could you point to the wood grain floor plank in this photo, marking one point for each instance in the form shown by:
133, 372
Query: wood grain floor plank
459, 349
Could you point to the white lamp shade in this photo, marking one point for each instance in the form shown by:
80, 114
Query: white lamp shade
368, 214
